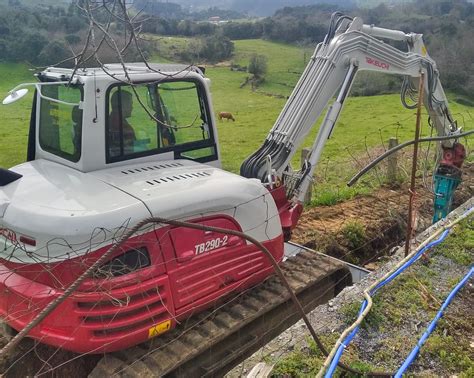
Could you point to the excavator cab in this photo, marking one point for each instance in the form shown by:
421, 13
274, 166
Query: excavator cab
159, 112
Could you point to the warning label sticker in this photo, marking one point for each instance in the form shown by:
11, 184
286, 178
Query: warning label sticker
159, 329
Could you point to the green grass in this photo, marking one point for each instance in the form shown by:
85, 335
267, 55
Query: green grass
167, 48
354, 232
308, 360
331, 193
460, 246
285, 63
365, 121
14, 118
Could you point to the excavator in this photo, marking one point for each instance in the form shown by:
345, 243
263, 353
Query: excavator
113, 145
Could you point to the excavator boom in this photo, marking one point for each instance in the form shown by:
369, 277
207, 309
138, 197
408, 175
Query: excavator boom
349, 47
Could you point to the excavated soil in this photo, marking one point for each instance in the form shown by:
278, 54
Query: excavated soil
378, 220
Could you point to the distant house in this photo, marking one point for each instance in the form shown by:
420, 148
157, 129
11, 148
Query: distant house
214, 19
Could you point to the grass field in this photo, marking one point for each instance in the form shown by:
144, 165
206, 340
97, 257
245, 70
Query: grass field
285, 62
366, 122
14, 118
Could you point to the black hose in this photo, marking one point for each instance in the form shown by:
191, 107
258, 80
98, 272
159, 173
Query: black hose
354, 179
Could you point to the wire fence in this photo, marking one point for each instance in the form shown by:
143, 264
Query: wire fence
31, 279
144, 286
143, 257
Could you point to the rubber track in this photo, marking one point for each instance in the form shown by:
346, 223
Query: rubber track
210, 344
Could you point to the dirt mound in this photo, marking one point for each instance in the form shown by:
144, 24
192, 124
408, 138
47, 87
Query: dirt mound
367, 227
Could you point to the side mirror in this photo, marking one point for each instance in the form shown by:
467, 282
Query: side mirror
14, 96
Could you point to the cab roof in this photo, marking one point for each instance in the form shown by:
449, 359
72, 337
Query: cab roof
116, 69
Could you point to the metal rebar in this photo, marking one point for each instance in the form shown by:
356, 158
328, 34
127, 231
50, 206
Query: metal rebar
414, 165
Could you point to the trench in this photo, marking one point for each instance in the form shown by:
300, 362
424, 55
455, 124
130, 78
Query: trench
367, 229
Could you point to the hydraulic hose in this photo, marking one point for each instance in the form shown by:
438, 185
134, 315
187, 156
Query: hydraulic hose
334, 356
354, 179
412, 356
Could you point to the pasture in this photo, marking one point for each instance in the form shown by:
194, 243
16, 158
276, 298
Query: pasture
366, 122
14, 118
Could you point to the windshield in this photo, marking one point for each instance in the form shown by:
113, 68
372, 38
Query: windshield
60, 123
158, 117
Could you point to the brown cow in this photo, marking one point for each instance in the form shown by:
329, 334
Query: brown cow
226, 115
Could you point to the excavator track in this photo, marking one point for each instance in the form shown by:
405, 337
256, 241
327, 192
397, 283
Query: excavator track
211, 343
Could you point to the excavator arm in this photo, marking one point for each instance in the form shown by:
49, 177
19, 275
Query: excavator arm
349, 46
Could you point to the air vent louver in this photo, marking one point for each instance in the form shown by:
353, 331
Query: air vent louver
181, 177
151, 168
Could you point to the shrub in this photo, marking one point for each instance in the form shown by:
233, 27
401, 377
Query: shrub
258, 66
354, 233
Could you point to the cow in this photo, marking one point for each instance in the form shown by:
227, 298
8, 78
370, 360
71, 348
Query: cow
226, 115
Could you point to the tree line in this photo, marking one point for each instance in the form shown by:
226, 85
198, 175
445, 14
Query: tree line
25, 32
45, 35
447, 26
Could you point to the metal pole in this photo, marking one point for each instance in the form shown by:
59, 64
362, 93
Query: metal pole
392, 162
414, 165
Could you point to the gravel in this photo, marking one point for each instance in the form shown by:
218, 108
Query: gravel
327, 319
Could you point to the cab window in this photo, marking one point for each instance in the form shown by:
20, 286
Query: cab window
60, 121
158, 117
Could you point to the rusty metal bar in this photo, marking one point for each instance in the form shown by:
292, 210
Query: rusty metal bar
414, 165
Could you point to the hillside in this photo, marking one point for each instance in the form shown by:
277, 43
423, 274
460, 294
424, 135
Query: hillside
268, 7
366, 122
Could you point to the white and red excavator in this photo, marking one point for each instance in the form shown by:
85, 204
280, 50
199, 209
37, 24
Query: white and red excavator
111, 146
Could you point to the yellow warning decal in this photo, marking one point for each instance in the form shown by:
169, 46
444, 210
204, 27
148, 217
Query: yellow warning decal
423, 50
159, 329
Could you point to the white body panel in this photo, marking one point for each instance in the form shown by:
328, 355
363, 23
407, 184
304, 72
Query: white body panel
66, 211
188, 190
70, 213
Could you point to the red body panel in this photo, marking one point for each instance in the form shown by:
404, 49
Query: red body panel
118, 312
290, 213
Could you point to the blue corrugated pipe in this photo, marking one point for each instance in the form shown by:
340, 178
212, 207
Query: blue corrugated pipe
411, 357
349, 337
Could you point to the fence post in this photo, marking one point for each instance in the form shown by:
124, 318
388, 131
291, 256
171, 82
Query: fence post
304, 154
392, 162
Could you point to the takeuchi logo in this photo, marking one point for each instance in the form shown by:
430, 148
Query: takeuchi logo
8, 234
377, 63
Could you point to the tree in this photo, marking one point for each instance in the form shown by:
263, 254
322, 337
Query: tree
53, 52
216, 48
258, 66
72, 39
27, 47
